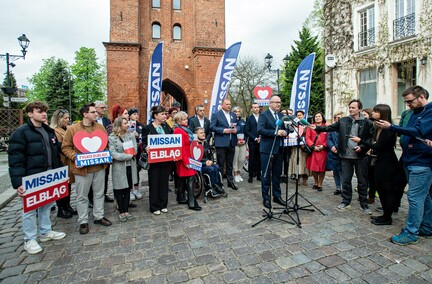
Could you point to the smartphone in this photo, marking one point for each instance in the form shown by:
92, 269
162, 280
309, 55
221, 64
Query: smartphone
349, 136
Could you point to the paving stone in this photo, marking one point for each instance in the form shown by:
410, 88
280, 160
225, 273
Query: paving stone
12, 271
314, 266
299, 272
233, 276
140, 274
44, 265
331, 261
414, 264
18, 279
401, 269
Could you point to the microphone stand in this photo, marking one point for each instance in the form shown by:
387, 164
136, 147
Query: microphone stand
268, 215
294, 198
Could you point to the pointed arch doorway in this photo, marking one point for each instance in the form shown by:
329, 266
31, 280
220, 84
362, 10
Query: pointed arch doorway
172, 92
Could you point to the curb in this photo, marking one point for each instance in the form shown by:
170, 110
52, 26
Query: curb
7, 196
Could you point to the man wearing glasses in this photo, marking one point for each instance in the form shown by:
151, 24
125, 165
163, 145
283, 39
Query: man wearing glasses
267, 129
417, 161
89, 176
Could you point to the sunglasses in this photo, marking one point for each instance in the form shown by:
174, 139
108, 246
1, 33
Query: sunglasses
63, 112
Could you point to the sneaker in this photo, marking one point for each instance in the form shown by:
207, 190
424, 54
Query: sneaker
130, 216
404, 238
240, 178
157, 212
423, 234
137, 194
32, 247
165, 210
52, 235
366, 210
236, 179
132, 196
122, 218
343, 206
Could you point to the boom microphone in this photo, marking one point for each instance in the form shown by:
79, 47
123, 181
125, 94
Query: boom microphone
295, 121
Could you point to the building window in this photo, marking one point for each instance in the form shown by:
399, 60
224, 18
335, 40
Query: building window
368, 87
156, 31
366, 35
404, 23
155, 3
176, 4
406, 77
177, 32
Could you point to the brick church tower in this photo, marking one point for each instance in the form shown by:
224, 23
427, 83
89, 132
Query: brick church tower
193, 32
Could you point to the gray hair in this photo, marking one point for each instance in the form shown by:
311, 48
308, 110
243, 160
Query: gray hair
99, 103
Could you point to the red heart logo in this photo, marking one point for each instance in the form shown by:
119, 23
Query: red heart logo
197, 150
90, 142
263, 93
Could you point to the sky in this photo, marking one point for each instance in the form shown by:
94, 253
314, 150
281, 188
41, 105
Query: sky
60, 27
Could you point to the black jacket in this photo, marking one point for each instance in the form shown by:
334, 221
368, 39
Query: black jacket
251, 129
27, 153
343, 126
194, 123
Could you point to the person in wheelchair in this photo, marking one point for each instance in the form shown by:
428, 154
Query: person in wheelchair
209, 167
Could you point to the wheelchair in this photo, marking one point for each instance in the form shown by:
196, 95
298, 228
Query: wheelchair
203, 183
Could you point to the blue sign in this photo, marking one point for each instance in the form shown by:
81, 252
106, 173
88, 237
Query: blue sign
95, 158
195, 165
155, 79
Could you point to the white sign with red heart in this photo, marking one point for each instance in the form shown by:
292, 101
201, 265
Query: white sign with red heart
90, 142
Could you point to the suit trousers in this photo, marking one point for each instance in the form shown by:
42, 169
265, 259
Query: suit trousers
275, 170
254, 165
360, 167
226, 155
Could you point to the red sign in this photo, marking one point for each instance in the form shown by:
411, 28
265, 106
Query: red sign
263, 93
163, 148
45, 196
44, 188
90, 142
197, 150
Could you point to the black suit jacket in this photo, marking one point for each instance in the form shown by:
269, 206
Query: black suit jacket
251, 128
194, 123
266, 128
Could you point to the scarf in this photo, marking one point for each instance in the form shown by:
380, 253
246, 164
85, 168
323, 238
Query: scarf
187, 130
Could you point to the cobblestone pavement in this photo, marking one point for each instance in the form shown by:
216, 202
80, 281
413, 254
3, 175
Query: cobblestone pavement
219, 245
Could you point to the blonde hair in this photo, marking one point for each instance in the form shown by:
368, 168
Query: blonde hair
56, 117
117, 125
180, 116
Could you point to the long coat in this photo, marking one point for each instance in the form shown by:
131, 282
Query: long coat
181, 166
316, 162
121, 160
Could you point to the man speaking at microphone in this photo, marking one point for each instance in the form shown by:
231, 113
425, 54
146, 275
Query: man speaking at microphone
271, 129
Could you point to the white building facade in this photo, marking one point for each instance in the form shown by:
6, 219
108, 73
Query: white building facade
381, 48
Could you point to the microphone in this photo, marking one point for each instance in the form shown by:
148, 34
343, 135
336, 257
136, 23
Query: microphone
295, 121
278, 123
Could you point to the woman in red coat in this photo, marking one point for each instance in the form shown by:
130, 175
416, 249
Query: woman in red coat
185, 173
318, 143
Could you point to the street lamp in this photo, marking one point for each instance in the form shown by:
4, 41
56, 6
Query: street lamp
268, 61
24, 43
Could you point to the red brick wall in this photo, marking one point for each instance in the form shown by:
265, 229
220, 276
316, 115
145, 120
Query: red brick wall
201, 47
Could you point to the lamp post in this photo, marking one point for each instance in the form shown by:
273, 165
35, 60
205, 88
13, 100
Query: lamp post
24, 43
268, 61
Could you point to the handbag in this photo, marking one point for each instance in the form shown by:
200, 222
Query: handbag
143, 161
309, 150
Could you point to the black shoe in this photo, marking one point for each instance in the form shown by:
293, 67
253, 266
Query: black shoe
250, 180
63, 213
381, 222
258, 178
232, 185
279, 201
108, 199
376, 217
196, 207
284, 179
132, 205
90, 204
84, 229
319, 188
266, 203
103, 221
71, 210
219, 189
337, 192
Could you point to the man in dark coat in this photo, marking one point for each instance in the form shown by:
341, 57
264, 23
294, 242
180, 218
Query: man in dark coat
33, 149
251, 132
199, 120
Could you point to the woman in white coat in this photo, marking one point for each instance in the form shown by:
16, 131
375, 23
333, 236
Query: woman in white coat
123, 147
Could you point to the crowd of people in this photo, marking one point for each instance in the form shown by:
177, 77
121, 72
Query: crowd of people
362, 142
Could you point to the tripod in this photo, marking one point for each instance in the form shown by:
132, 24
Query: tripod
293, 200
268, 215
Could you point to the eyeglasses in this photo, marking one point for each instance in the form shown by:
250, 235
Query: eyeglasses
62, 112
101, 107
92, 112
410, 101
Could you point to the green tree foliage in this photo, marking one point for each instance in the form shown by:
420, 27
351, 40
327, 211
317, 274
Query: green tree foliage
13, 83
306, 45
89, 80
248, 74
53, 84
316, 20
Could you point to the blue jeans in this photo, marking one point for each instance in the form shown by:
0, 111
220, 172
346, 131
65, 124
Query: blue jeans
338, 177
213, 172
29, 222
419, 199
